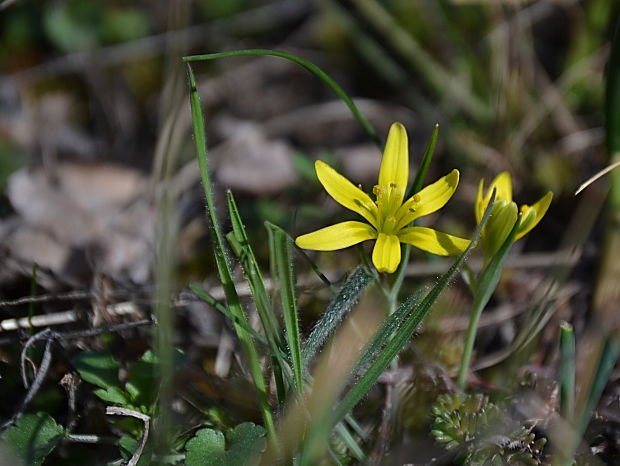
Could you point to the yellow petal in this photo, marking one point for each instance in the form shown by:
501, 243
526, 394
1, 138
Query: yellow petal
503, 186
503, 183
338, 236
428, 200
540, 209
433, 241
386, 253
394, 171
346, 193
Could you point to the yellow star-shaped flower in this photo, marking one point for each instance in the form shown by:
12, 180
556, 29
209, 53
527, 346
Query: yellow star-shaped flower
505, 212
388, 217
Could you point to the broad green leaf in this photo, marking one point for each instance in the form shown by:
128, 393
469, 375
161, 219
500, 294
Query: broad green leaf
239, 446
97, 367
33, 437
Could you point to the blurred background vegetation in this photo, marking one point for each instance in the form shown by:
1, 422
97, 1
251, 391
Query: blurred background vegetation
95, 130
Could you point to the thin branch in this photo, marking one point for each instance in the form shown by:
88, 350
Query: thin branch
36, 383
115, 410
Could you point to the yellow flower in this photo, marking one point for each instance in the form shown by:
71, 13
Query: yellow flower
505, 212
388, 217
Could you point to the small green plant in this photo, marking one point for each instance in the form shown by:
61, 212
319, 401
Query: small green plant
480, 433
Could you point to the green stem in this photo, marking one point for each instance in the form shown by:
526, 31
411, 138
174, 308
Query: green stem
486, 284
476, 311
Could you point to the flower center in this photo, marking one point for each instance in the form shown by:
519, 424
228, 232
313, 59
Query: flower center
388, 201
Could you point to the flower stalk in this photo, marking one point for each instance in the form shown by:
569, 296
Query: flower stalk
506, 225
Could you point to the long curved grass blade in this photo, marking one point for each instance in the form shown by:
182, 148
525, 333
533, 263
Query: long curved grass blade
335, 312
282, 245
225, 274
318, 72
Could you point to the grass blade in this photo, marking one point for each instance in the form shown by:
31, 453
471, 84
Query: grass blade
389, 327
335, 311
318, 72
420, 176
612, 115
567, 371
225, 274
209, 299
270, 324
282, 246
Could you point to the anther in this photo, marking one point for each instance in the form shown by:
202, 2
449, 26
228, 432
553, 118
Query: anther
417, 198
376, 190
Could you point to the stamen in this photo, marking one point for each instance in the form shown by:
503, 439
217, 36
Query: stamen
417, 198
376, 190
392, 185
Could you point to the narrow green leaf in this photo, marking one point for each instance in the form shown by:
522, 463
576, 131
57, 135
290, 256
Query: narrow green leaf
33, 437
224, 271
335, 311
420, 176
252, 271
385, 332
318, 72
224, 310
567, 371
270, 323
317, 271
282, 246
612, 115
605, 366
